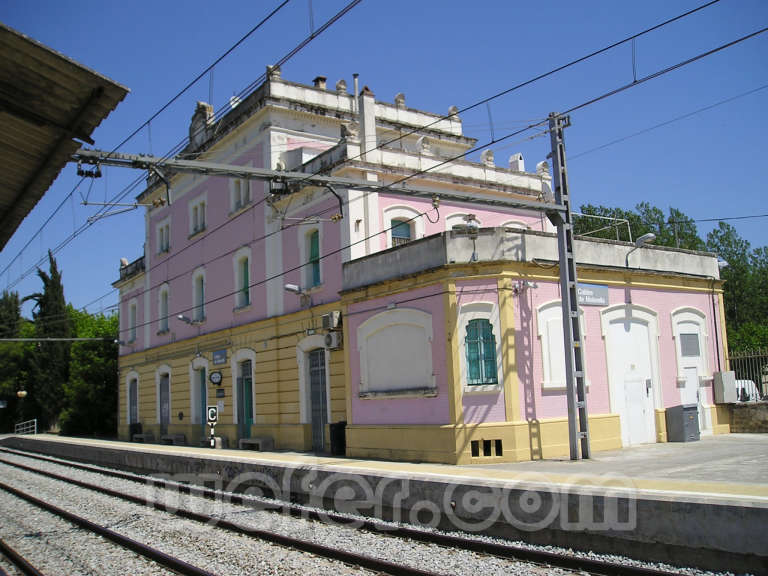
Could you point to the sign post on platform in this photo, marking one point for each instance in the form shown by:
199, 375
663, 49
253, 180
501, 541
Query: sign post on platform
213, 417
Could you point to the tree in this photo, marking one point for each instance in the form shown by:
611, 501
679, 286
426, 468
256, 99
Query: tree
49, 369
11, 358
91, 393
728, 245
675, 230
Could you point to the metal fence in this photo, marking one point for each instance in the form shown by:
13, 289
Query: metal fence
751, 370
28, 427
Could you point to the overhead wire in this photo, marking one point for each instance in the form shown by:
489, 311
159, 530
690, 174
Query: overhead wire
575, 108
503, 138
442, 118
572, 157
146, 123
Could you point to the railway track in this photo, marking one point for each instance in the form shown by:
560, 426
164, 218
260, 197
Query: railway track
19, 562
483, 547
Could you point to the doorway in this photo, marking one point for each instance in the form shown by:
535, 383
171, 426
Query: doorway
631, 348
244, 399
318, 398
165, 403
690, 346
199, 399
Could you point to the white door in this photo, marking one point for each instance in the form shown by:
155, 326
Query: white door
631, 373
690, 391
693, 364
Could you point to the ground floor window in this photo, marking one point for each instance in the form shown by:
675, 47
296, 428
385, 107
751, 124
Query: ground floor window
480, 345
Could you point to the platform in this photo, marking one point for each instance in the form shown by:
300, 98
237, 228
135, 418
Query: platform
701, 503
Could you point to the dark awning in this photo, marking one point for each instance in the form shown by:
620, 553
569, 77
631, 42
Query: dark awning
49, 105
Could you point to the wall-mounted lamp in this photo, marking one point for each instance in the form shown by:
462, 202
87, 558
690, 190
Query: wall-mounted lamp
473, 229
639, 243
305, 298
21, 393
185, 319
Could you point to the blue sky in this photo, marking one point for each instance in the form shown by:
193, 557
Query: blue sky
439, 54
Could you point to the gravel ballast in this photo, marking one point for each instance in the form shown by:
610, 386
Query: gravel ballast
148, 523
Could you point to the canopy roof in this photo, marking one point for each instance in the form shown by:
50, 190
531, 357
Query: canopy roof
49, 105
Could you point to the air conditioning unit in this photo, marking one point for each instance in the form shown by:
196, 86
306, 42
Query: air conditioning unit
331, 320
333, 340
724, 387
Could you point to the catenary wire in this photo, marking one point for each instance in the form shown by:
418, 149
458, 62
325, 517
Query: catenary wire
572, 157
574, 108
597, 99
146, 123
470, 107
476, 104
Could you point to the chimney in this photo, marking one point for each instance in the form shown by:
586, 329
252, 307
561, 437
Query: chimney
319, 82
341, 86
400, 100
367, 108
516, 162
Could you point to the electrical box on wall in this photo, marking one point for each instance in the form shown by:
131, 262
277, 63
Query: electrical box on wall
724, 387
333, 340
332, 320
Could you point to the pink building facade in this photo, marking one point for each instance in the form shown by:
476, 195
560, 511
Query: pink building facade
295, 309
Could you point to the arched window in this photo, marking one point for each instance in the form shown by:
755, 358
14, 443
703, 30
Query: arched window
401, 232
241, 263
550, 329
198, 295
402, 224
313, 249
132, 315
132, 382
162, 309
480, 347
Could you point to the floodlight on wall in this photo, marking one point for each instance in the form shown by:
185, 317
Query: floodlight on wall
185, 319
305, 299
21, 394
639, 243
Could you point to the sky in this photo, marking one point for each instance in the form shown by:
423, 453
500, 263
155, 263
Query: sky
707, 158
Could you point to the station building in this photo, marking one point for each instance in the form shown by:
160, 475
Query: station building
380, 309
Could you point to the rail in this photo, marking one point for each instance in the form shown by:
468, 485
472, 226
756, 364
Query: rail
28, 427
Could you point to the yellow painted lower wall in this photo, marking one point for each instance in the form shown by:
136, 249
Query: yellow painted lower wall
276, 389
721, 419
661, 425
502, 442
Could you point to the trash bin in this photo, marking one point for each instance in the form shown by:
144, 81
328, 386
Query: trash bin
683, 423
339, 438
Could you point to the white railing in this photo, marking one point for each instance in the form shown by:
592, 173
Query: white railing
28, 427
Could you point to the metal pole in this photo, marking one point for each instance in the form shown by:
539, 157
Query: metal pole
578, 426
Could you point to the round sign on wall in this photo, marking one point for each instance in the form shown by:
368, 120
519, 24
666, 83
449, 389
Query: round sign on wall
215, 377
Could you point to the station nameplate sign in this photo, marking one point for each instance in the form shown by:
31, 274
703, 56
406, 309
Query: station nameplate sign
592, 295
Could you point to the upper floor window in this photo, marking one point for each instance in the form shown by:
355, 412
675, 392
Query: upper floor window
197, 217
480, 347
198, 295
242, 268
240, 194
401, 232
313, 252
132, 320
162, 309
401, 224
164, 236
